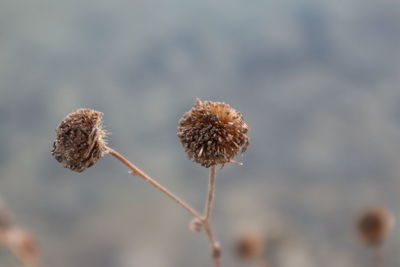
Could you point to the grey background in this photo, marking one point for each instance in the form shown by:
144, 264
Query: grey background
317, 82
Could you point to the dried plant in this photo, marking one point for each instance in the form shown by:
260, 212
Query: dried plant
80, 140
212, 133
373, 226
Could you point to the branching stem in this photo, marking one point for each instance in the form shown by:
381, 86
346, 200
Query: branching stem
138, 172
206, 219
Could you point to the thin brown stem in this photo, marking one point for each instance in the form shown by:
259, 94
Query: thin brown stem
138, 172
211, 193
215, 248
216, 251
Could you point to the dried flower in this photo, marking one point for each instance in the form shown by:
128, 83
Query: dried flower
249, 246
374, 225
212, 133
80, 140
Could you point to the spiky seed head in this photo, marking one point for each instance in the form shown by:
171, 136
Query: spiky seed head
79, 141
212, 133
374, 225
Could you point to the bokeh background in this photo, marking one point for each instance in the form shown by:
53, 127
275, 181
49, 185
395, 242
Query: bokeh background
317, 82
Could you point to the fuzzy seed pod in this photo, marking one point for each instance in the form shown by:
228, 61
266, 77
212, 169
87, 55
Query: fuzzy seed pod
80, 140
212, 133
374, 225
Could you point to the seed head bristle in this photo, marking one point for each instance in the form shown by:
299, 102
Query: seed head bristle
79, 141
212, 133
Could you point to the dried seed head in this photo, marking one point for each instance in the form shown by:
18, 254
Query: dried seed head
374, 225
212, 133
249, 246
80, 140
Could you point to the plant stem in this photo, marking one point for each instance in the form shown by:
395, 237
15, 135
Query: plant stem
211, 193
136, 171
216, 250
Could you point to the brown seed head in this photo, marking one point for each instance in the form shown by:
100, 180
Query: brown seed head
80, 140
212, 133
249, 246
374, 225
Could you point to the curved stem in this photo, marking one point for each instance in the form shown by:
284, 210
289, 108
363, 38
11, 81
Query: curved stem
136, 171
216, 251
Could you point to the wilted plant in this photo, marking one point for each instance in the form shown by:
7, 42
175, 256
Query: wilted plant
211, 133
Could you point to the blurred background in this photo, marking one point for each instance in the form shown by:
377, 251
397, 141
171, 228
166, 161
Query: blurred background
317, 82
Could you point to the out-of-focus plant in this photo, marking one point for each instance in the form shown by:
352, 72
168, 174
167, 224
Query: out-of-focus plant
373, 227
19, 241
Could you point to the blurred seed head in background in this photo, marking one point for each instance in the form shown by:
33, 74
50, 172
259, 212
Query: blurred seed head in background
250, 246
374, 225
